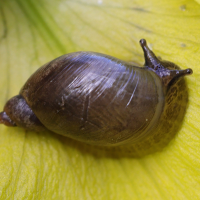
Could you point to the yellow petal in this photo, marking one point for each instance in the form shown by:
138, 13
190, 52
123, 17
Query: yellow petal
47, 166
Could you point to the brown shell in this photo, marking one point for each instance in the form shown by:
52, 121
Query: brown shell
94, 98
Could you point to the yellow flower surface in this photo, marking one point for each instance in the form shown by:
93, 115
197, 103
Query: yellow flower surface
47, 166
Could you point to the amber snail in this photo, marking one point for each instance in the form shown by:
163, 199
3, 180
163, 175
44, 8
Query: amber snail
99, 99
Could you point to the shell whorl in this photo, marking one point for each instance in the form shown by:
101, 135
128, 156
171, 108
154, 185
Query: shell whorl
106, 103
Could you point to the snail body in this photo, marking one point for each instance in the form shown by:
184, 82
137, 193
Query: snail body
99, 99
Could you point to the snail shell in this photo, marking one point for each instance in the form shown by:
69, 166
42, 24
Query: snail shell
99, 99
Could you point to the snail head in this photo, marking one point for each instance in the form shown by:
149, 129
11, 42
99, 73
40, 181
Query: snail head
166, 70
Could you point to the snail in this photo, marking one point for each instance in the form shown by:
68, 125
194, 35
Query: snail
99, 99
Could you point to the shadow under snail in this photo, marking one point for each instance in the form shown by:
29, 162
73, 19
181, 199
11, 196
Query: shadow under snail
101, 100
